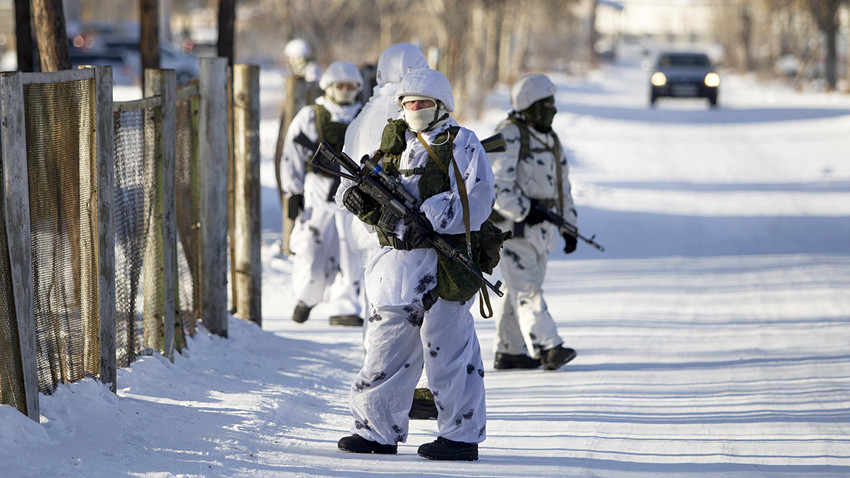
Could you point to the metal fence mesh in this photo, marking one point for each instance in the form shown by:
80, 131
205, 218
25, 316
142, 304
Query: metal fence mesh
129, 223
11, 375
62, 167
60, 120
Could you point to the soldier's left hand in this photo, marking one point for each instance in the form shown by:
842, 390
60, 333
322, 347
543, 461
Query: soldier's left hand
570, 243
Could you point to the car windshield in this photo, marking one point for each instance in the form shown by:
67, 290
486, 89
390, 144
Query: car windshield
683, 60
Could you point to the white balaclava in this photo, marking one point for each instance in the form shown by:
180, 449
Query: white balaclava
425, 118
298, 53
337, 73
426, 84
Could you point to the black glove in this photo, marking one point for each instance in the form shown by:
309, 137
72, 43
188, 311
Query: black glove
569, 243
534, 216
416, 230
294, 205
353, 200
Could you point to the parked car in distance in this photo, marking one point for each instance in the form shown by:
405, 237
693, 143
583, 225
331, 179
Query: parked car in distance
682, 74
123, 70
186, 67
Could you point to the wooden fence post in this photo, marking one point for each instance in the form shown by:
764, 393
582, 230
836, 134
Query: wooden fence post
16, 197
213, 152
164, 84
247, 231
105, 225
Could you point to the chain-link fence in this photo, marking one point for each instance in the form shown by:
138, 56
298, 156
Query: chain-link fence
84, 199
134, 190
11, 375
60, 121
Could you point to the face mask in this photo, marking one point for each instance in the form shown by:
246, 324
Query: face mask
298, 64
420, 120
545, 117
540, 115
341, 96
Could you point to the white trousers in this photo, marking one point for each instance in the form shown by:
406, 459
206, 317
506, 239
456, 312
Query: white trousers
524, 324
399, 341
325, 264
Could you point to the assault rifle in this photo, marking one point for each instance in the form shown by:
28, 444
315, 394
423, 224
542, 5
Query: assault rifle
566, 228
395, 201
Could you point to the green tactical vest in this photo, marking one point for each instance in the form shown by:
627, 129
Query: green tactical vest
330, 131
454, 282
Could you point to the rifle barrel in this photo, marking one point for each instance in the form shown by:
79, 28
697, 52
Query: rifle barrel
568, 228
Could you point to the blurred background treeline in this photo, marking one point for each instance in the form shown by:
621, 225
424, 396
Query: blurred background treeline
482, 43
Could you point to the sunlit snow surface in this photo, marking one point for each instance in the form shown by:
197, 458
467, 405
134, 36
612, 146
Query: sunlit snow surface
713, 334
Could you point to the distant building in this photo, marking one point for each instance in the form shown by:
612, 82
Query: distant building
666, 20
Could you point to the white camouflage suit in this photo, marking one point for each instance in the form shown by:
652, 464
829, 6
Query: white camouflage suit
315, 240
402, 337
363, 135
524, 325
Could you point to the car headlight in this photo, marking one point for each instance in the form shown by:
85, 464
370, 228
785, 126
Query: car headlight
658, 79
712, 80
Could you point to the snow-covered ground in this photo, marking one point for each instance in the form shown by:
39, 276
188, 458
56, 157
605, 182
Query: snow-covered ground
713, 334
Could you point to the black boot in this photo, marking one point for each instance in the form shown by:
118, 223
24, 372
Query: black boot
349, 319
301, 313
423, 406
444, 449
555, 357
358, 444
508, 361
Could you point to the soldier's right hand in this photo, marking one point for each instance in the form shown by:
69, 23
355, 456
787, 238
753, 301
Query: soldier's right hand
353, 200
294, 205
417, 229
534, 216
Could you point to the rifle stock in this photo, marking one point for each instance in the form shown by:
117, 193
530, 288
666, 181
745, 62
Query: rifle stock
567, 228
494, 144
390, 193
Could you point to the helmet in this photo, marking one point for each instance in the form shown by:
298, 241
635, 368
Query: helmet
298, 48
341, 72
397, 60
529, 89
429, 83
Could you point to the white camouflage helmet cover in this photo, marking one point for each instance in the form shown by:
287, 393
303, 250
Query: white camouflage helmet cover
397, 60
298, 48
341, 72
429, 83
530, 88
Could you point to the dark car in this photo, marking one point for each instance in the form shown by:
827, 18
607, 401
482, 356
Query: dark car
186, 67
684, 75
123, 72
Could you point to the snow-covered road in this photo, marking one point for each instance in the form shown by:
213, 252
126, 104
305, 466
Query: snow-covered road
713, 334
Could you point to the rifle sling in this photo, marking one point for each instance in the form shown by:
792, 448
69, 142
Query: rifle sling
556, 151
464, 201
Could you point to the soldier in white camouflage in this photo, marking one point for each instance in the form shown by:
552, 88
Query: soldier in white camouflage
531, 174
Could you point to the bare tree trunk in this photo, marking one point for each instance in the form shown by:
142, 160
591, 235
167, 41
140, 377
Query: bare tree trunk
517, 61
592, 34
825, 13
149, 35
509, 30
495, 10
745, 36
52, 38
226, 19
23, 36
